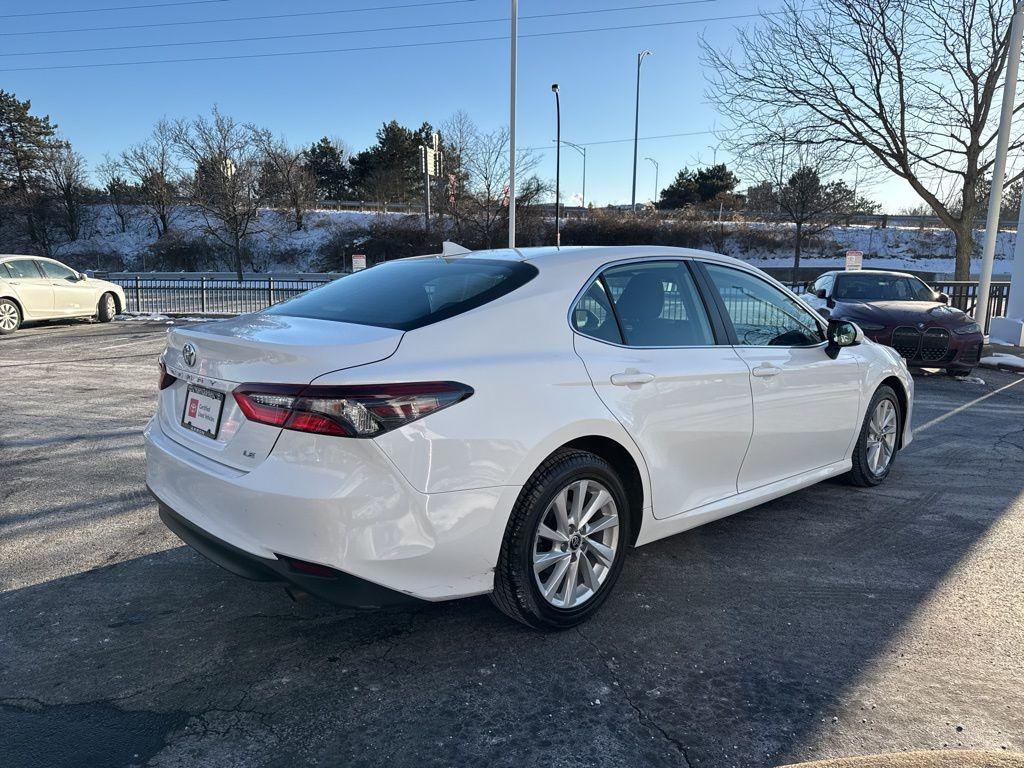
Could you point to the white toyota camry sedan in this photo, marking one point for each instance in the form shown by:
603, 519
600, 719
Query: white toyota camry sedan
37, 288
508, 422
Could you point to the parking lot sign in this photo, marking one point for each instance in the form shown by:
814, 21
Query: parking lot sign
854, 260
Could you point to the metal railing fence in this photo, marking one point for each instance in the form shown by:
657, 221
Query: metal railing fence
210, 295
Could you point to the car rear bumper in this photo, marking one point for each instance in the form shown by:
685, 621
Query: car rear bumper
332, 502
337, 587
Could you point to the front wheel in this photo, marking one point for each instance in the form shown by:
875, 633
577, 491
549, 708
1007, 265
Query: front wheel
10, 317
878, 441
565, 542
107, 308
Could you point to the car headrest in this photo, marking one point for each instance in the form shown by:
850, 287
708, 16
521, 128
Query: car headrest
643, 298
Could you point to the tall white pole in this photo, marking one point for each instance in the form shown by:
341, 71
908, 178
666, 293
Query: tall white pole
995, 200
514, 35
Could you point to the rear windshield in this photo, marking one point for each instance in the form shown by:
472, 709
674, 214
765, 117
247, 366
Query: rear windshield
410, 294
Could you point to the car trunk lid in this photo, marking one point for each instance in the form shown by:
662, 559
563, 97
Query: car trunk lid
209, 360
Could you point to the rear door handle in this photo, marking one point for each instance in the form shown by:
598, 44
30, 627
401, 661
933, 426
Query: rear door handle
764, 370
631, 377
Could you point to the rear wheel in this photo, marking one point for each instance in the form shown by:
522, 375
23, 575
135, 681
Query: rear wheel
107, 308
877, 443
10, 317
565, 542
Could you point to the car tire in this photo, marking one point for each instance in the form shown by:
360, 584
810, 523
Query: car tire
107, 308
10, 317
520, 572
874, 454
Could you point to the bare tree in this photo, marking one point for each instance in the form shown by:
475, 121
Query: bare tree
287, 179
120, 194
476, 190
225, 182
151, 168
66, 178
908, 84
798, 183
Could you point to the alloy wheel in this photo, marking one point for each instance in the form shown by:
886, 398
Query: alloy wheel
8, 317
881, 442
576, 543
109, 306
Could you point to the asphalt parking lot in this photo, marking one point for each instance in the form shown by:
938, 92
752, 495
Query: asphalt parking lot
836, 621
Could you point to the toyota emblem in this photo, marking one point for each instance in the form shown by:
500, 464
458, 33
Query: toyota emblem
188, 354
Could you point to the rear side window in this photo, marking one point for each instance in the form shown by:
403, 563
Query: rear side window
4, 271
656, 304
410, 294
24, 269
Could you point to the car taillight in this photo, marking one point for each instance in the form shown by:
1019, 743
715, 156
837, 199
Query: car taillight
363, 410
166, 379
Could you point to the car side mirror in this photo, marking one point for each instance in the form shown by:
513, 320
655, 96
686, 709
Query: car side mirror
942, 298
820, 293
842, 333
81, 277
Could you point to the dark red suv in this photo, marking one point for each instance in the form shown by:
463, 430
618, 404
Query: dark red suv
903, 312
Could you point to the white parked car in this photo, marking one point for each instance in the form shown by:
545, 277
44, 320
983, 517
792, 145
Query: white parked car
509, 422
37, 288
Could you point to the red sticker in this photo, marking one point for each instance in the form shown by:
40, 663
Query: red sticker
193, 408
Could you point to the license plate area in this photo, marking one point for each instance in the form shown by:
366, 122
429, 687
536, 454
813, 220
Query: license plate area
203, 410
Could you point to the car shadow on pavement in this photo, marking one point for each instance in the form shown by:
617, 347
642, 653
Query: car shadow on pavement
787, 632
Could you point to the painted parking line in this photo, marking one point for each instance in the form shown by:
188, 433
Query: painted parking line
965, 406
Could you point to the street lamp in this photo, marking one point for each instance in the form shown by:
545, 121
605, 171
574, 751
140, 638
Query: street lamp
655, 162
636, 123
583, 151
558, 161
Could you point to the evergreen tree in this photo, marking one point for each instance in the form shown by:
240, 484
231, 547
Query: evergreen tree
326, 162
25, 141
714, 181
389, 171
681, 192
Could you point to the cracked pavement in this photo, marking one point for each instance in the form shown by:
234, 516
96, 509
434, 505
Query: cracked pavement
836, 621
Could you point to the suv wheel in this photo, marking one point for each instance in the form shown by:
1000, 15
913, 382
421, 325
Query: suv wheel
565, 542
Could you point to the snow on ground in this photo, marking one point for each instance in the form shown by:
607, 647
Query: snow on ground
277, 247
1003, 361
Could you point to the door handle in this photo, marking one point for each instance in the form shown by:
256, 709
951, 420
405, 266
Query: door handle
631, 377
765, 370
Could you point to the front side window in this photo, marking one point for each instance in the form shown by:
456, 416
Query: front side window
57, 271
655, 303
761, 314
23, 269
410, 293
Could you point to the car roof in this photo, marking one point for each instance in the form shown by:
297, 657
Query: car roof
871, 271
596, 255
9, 256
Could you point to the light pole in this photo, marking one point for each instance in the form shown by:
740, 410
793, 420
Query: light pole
513, 42
583, 151
655, 163
995, 197
558, 162
636, 123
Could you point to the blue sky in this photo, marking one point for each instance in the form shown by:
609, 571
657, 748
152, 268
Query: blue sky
349, 94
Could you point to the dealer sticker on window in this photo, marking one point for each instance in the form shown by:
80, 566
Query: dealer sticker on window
203, 408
